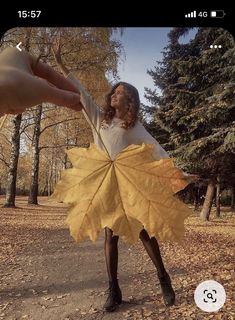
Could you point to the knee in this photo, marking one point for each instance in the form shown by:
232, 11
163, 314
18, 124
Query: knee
144, 235
109, 238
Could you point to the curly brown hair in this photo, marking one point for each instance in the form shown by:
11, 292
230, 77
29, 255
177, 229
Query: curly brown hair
133, 101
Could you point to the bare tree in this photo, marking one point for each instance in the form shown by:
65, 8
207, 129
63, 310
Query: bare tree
33, 190
13, 164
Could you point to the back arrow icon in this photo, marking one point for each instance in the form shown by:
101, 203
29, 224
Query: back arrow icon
18, 46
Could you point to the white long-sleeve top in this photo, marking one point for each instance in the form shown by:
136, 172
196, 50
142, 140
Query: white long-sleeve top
114, 136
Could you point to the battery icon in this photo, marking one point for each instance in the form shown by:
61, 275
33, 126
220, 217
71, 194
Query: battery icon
217, 14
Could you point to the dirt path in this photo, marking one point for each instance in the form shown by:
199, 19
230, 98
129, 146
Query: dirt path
45, 275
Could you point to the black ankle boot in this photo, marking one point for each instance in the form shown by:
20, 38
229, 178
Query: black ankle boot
114, 297
167, 290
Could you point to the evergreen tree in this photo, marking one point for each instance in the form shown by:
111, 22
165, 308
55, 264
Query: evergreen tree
197, 105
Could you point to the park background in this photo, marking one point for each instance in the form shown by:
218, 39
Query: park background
185, 77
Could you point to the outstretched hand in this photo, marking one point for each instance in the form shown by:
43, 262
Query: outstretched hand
26, 82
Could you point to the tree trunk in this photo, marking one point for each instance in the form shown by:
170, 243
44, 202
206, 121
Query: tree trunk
218, 197
206, 209
196, 198
232, 197
49, 178
33, 191
66, 162
12, 173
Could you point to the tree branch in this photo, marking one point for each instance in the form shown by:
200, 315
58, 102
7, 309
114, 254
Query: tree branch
54, 124
4, 161
63, 145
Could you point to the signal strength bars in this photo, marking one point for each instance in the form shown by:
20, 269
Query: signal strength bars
192, 14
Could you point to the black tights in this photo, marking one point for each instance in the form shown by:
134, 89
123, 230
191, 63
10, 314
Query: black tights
111, 253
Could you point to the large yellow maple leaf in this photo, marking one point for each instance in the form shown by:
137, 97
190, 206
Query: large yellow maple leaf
126, 194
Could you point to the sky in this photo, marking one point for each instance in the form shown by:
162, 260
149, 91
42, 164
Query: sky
142, 47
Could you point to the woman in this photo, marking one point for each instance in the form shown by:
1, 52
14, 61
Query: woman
118, 126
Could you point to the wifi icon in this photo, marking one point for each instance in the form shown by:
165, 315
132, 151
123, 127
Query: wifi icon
192, 14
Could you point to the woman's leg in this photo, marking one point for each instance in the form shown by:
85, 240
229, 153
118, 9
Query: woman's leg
111, 258
152, 248
111, 253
